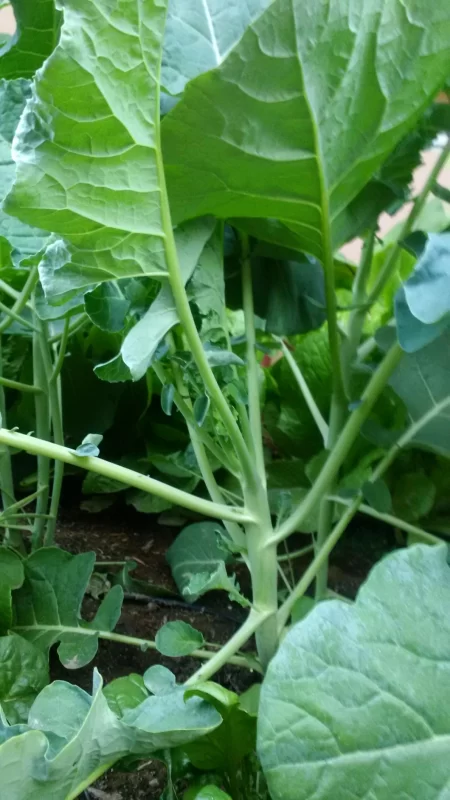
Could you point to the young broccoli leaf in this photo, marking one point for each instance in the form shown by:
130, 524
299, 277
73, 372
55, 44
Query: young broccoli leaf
197, 560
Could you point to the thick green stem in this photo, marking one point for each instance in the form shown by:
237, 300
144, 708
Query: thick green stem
42, 419
192, 335
21, 301
61, 352
358, 314
54, 399
341, 449
339, 399
129, 477
262, 559
215, 493
252, 363
419, 203
264, 573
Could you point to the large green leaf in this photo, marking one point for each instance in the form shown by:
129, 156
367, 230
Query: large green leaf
23, 674
285, 125
422, 381
199, 35
88, 167
55, 752
427, 290
355, 702
37, 32
47, 607
72, 738
24, 239
197, 560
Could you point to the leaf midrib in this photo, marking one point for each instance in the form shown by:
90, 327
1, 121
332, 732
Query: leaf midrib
361, 756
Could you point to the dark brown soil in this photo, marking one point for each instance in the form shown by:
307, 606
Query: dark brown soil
120, 534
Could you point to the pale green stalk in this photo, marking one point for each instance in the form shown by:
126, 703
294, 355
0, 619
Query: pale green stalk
215, 493
190, 331
55, 408
262, 558
129, 477
314, 568
348, 435
75, 328
134, 641
58, 365
419, 203
351, 510
20, 387
42, 419
358, 314
223, 656
306, 392
389, 519
6, 474
339, 402
338, 412
252, 363
21, 300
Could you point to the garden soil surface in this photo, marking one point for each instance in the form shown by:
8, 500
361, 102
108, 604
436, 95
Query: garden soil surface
120, 534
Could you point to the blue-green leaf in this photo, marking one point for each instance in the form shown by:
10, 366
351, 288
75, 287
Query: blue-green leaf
178, 639
201, 408
47, 607
338, 718
159, 679
107, 307
89, 445
23, 675
422, 381
427, 290
167, 395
